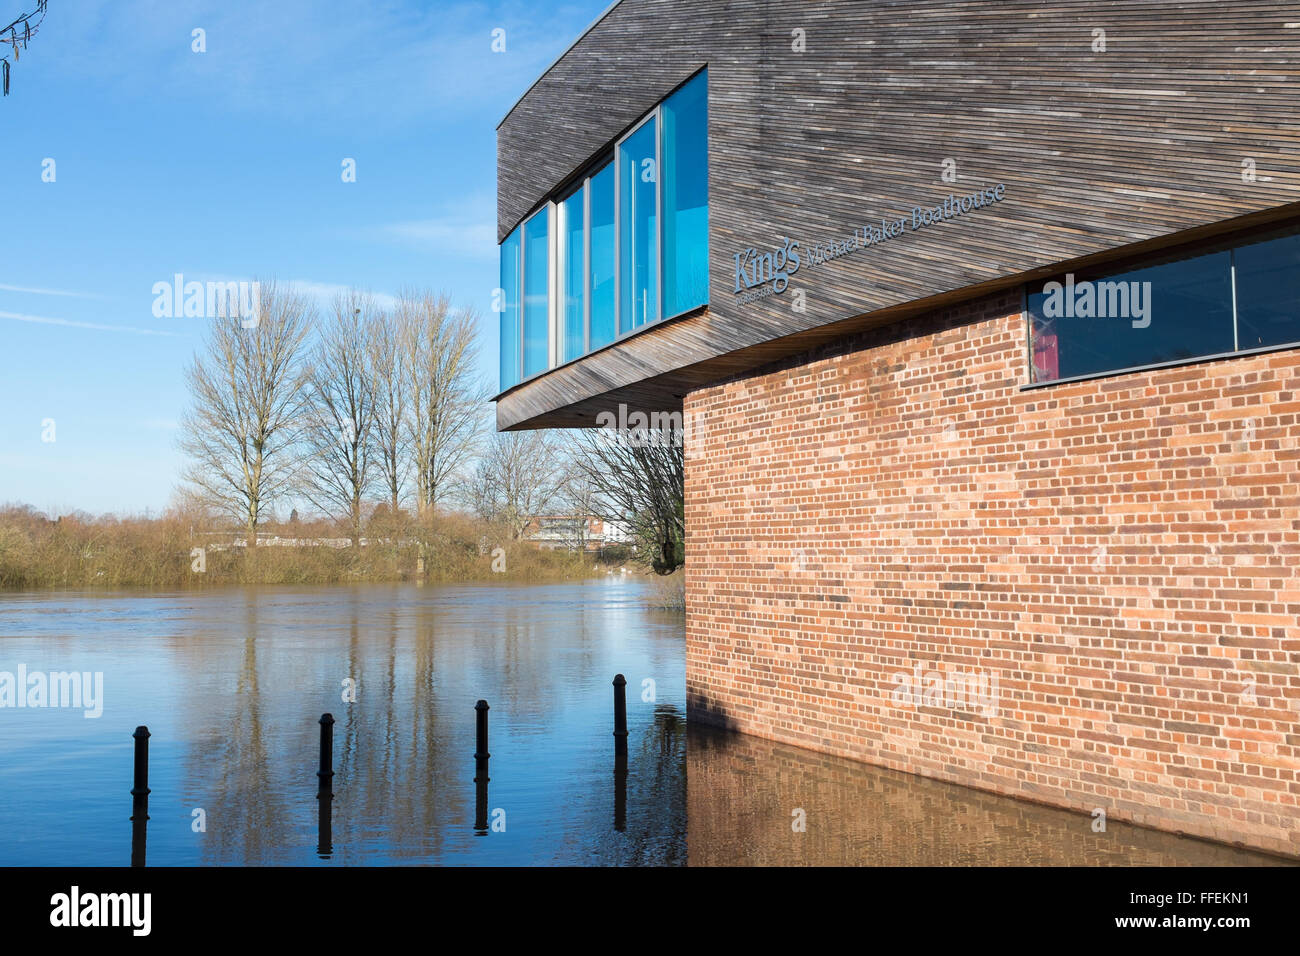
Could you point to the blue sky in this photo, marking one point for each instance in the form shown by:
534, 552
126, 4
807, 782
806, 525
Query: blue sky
227, 165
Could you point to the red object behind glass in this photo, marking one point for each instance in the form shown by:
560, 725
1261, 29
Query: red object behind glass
1046, 359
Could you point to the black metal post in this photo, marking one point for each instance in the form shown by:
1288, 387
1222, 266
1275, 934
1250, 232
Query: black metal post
324, 827
620, 714
140, 797
325, 789
620, 791
481, 778
481, 730
325, 775
140, 792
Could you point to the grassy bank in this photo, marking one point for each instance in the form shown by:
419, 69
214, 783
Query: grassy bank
176, 552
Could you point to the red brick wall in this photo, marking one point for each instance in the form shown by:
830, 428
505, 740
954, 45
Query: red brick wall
1121, 555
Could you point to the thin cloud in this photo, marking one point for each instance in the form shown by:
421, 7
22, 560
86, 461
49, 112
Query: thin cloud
467, 230
46, 320
447, 232
33, 291
324, 292
464, 229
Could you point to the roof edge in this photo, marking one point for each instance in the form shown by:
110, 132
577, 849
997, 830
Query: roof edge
567, 50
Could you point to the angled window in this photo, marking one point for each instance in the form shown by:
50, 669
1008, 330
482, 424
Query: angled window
626, 246
509, 305
573, 275
537, 293
638, 227
686, 197
601, 188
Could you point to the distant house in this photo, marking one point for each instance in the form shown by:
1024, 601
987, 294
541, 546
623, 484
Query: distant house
574, 533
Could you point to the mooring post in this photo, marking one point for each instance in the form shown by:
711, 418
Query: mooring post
140, 797
325, 789
620, 791
481, 730
620, 714
481, 756
324, 828
325, 775
140, 792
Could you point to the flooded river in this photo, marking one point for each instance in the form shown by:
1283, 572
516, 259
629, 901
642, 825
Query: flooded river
231, 685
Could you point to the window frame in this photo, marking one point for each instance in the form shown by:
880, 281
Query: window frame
547, 209
652, 116
562, 265
607, 157
1229, 243
518, 231
663, 297
607, 160
586, 265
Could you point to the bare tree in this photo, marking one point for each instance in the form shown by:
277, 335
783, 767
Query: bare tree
246, 389
388, 376
579, 495
639, 481
445, 393
337, 469
518, 478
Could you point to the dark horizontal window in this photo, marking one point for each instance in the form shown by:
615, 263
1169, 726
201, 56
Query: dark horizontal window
1241, 297
1268, 292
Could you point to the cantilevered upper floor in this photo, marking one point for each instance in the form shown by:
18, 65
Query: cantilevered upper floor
697, 188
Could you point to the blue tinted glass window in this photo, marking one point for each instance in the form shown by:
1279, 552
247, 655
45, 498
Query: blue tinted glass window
1162, 313
510, 311
638, 229
686, 197
601, 187
1268, 293
536, 293
573, 275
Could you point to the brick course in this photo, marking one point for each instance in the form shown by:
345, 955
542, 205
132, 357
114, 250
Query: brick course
1120, 555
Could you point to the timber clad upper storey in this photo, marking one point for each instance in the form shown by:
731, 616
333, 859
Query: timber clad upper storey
1116, 128
626, 246
995, 377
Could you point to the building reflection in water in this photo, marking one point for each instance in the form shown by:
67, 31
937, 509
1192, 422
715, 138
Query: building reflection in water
406, 785
232, 685
742, 794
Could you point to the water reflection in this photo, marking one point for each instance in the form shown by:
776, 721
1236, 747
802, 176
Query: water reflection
232, 685
324, 827
481, 757
743, 793
325, 789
